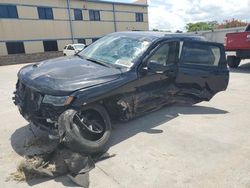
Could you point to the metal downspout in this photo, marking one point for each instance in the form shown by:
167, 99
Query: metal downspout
70, 23
114, 18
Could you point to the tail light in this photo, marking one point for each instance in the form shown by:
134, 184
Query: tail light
248, 37
225, 41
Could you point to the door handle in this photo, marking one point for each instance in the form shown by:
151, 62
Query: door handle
167, 71
159, 72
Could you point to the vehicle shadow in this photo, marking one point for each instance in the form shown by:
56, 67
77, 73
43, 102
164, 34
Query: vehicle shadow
23, 138
243, 68
149, 122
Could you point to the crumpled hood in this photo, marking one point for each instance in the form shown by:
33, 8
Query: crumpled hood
66, 74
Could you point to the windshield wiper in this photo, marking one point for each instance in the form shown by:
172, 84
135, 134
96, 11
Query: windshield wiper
97, 62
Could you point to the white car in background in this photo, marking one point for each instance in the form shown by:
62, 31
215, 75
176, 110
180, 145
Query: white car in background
72, 49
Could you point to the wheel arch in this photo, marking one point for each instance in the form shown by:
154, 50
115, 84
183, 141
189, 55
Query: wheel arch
118, 107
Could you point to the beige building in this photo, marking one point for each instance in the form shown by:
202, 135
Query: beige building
31, 26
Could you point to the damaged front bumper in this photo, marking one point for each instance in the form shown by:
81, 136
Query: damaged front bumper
29, 103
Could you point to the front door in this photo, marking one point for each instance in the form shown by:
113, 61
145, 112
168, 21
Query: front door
157, 76
202, 70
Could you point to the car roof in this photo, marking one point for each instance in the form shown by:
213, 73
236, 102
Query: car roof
78, 44
153, 35
75, 44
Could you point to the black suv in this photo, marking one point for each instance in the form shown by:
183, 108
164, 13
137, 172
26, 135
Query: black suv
119, 77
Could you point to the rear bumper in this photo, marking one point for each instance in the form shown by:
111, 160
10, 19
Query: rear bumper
243, 54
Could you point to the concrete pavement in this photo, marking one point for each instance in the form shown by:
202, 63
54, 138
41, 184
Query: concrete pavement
205, 145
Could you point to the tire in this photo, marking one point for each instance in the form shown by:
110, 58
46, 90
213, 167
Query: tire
233, 61
78, 138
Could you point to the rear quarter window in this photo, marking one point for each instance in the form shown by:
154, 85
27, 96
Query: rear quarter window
200, 54
248, 28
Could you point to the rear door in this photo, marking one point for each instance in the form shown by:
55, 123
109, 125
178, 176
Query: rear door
202, 70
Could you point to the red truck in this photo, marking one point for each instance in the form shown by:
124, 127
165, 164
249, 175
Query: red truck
237, 46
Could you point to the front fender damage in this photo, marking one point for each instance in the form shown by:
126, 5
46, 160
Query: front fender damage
63, 119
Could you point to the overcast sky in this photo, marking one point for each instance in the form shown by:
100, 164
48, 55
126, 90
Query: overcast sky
175, 14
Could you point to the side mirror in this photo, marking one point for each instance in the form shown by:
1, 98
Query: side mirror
155, 67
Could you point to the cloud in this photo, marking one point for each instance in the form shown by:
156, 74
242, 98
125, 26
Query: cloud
174, 15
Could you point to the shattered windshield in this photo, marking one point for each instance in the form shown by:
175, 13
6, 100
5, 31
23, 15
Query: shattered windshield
117, 50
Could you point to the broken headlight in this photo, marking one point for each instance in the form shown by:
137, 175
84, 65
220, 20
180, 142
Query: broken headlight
57, 100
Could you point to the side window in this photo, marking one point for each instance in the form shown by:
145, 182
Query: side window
200, 54
70, 47
248, 28
166, 54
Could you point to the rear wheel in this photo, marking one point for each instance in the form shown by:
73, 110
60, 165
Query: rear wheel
87, 130
233, 61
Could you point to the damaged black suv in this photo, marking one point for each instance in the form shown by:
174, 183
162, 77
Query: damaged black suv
119, 77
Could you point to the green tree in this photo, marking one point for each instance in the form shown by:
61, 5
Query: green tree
201, 26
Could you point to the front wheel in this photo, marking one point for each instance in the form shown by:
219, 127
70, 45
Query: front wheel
233, 61
87, 130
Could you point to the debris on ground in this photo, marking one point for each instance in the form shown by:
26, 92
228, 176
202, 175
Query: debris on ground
54, 163
60, 162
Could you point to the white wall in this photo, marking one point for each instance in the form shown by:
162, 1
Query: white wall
218, 35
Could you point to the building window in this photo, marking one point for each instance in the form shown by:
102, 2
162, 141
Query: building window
45, 13
81, 41
50, 45
139, 17
15, 47
94, 15
94, 39
78, 14
8, 11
